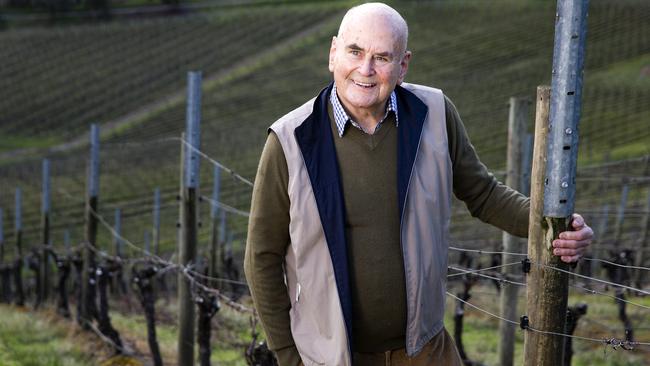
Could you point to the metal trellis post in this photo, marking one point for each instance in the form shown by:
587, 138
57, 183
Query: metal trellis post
189, 220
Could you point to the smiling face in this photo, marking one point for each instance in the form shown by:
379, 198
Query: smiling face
368, 59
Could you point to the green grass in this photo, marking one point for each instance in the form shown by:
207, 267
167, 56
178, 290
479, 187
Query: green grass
230, 333
13, 142
481, 335
28, 340
37, 338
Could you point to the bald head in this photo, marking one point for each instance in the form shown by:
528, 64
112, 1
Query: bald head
377, 13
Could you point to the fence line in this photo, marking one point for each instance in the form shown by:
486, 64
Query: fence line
497, 276
225, 168
613, 342
480, 251
226, 207
594, 292
615, 264
593, 278
470, 271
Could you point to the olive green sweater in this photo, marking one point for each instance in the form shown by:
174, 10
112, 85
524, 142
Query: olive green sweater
368, 170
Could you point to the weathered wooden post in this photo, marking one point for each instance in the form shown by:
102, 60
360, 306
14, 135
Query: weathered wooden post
117, 228
45, 234
547, 293
596, 250
620, 215
88, 282
118, 247
536, 246
2, 238
222, 238
156, 221
18, 263
643, 243
5, 269
147, 242
214, 231
66, 241
517, 125
189, 220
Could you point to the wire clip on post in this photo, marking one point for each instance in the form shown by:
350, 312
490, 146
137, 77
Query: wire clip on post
523, 322
525, 265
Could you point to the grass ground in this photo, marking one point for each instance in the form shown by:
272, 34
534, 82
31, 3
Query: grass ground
481, 337
37, 338
43, 338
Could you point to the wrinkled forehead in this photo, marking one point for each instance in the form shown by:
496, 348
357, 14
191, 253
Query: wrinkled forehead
376, 29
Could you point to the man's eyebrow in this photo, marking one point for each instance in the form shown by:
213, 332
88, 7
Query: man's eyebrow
385, 54
356, 47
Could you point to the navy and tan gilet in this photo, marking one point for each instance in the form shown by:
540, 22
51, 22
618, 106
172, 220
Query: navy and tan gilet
316, 263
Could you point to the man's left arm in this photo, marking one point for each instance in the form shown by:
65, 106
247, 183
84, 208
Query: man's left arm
495, 203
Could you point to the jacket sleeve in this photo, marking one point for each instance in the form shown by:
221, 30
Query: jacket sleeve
268, 239
486, 198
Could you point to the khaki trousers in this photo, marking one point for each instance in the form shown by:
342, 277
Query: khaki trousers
440, 351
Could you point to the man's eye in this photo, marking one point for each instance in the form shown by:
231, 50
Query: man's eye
381, 59
355, 52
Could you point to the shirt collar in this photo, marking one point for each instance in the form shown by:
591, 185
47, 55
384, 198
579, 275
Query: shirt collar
341, 117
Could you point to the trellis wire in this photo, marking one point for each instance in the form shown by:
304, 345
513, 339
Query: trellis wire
606, 341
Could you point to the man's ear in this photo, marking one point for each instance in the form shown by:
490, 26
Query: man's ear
332, 54
404, 66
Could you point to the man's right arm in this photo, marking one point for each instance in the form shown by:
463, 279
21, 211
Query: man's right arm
268, 239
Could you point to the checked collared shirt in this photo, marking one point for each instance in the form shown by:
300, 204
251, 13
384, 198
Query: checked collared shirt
341, 117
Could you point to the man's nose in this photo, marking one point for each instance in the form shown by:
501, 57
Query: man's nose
367, 67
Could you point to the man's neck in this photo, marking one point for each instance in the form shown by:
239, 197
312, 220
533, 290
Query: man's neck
367, 118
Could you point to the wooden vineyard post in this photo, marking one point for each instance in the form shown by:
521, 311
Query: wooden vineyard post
117, 232
517, 122
643, 246
88, 282
118, 247
537, 250
214, 231
2, 238
189, 220
554, 172
45, 235
596, 250
5, 271
147, 242
620, 217
222, 242
156, 221
18, 262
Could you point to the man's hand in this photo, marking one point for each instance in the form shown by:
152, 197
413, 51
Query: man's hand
572, 244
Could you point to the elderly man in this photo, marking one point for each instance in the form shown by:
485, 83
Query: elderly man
348, 234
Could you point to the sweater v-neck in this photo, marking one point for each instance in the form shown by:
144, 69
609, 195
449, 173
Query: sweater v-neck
368, 141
